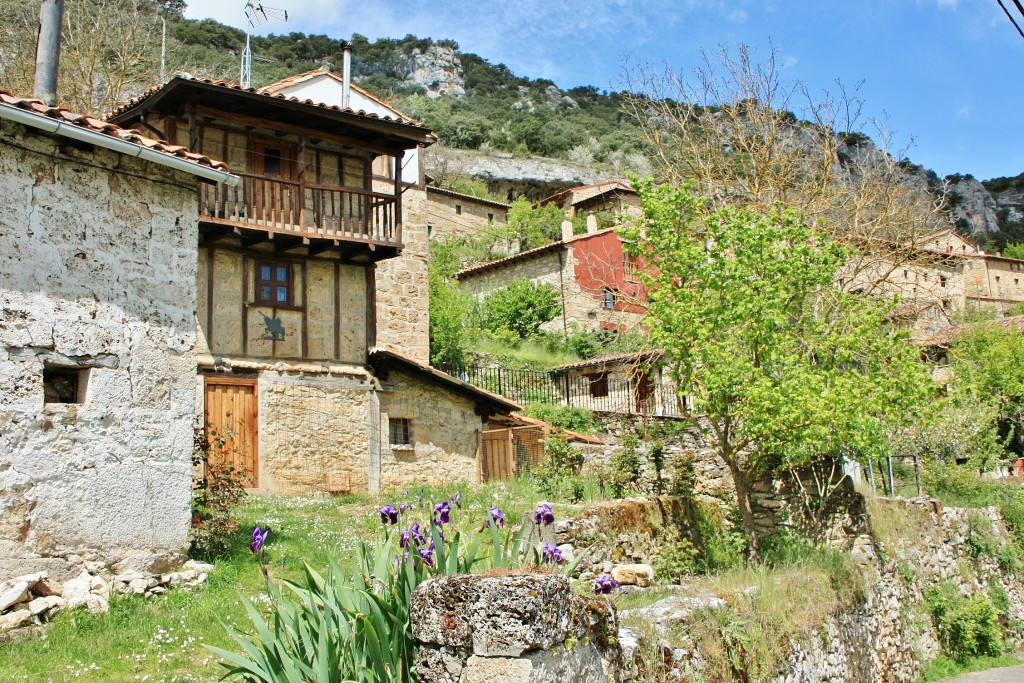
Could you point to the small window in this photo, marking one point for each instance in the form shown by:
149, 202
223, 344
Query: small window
942, 280
271, 161
273, 283
629, 266
490, 217
64, 385
997, 278
458, 209
400, 432
598, 384
607, 298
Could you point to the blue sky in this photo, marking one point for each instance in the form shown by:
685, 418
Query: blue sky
941, 71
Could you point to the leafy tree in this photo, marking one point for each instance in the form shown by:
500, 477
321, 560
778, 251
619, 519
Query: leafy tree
450, 309
522, 307
533, 225
986, 368
785, 371
1014, 250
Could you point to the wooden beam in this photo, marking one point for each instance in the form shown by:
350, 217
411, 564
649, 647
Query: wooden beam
283, 244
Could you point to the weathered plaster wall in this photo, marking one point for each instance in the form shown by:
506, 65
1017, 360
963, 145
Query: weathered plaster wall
403, 294
97, 269
445, 434
327, 318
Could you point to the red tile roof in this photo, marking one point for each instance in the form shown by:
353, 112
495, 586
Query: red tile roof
1013, 323
584, 192
468, 197
98, 126
136, 101
617, 359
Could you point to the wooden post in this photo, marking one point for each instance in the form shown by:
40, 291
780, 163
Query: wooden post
892, 484
917, 475
398, 197
301, 177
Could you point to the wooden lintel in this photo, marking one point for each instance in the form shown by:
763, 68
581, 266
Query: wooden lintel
211, 235
283, 244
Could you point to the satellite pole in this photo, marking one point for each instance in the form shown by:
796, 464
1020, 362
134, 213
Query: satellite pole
256, 14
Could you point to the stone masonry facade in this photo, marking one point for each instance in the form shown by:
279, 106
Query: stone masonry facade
96, 288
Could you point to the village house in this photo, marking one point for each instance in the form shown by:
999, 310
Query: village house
990, 280
597, 283
97, 330
292, 344
453, 214
614, 199
630, 383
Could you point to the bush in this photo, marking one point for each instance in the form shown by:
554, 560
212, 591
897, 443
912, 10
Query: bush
573, 419
558, 476
522, 307
216, 494
967, 626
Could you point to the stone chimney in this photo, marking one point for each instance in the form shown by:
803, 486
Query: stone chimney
566, 230
591, 222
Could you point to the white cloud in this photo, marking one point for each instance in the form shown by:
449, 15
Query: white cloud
963, 110
737, 16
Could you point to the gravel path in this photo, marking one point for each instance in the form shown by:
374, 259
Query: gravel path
1009, 674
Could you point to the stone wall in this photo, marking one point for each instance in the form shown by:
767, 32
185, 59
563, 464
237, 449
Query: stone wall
460, 217
445, 434
403, 294
514, 629
98, 272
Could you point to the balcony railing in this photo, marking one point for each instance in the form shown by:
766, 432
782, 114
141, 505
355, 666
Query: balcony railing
303, 209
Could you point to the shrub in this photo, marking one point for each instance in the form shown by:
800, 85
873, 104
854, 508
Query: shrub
523, 306
573, 419
557, 475
966, 626
217, 492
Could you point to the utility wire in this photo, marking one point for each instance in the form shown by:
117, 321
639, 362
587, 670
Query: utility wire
1010, 16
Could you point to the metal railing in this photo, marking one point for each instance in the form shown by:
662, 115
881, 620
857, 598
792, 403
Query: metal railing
306, 209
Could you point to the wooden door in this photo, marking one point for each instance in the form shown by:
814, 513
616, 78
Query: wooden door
276, 191
231, 425
498, 455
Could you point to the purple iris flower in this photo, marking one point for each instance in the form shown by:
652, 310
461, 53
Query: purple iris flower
399, 559
457, 499
442, 511
405, 539
497, 516
427, 555
543, 515
388, 514
259, 537
604, 585
551, 553
417, 534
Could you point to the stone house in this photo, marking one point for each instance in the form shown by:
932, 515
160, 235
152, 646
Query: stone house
990, 280
289, 312
629, 383
97, 335
596, 281
613, 197
454, 214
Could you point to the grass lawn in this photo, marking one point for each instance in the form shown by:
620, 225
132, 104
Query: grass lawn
162, 639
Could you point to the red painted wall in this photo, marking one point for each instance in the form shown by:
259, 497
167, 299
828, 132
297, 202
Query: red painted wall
599, 264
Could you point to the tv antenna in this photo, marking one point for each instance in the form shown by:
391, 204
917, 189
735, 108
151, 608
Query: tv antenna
256, 14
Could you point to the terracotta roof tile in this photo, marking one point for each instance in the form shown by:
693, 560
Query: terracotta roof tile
617, 359
468, 197
98, 126
135, 101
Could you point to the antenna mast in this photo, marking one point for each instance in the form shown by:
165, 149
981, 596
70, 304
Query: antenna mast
256, 14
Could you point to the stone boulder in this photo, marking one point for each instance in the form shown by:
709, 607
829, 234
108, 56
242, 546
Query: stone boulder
633, 574
493, 616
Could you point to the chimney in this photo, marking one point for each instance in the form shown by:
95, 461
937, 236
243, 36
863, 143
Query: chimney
591, 222
346, 76
566, 230
51, 14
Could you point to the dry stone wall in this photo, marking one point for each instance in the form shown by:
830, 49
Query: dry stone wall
97, 276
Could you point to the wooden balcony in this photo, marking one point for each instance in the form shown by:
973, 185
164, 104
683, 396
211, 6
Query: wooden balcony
312, 213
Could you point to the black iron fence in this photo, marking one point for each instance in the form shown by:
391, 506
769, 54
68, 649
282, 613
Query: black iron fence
640, 395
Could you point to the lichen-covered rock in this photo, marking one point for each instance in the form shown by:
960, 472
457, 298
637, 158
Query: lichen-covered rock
493, 616
633, 574
15, 619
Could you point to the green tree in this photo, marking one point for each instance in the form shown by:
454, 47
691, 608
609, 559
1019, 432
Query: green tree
522, 307
451, 308
785, 371
986, 367
533, 225
1014, 250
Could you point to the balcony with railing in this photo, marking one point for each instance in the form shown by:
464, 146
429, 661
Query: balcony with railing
310, 211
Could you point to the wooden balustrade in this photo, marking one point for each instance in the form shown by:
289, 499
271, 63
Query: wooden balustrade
295, 207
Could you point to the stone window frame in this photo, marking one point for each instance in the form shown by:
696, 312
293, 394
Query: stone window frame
458, 209
66, 384
400, 427
608, 298
273, 283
